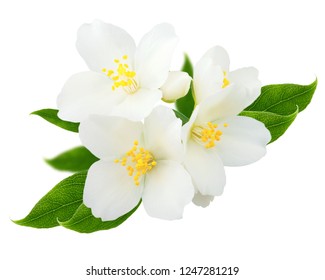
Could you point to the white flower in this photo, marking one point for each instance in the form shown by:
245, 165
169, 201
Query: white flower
215, 136
211, 74
137, 160
123, 80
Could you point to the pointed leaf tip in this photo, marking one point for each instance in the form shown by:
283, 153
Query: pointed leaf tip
283, 98
51, 115
74, 160
59, 203
278, 105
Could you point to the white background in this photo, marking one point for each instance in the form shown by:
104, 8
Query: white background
270, 219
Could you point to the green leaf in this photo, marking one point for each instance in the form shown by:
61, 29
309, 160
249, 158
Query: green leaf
278, 106
276, 124
185, 105
84, 222
187, 65
63, 205
283, 98
183, 118
51, 115
58, 204
74, 160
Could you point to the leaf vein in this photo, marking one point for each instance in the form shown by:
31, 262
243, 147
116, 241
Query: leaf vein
285, 100
51, 211
78, 221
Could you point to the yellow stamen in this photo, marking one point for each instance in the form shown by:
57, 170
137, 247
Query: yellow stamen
138, 162
225, 80
110, 73
122, 76
207, 134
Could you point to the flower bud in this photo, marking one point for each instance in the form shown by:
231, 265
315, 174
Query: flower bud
176, 86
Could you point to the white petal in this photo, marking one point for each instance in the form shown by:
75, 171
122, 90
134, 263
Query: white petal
154, 54
168, 188
247, 78
100, 43
87, 93
202, 200
187, 128
218, 56
138, 105
243, 141
109, 191
228, 102
108, 137
177, 85
208, 79
162, 134
206, 169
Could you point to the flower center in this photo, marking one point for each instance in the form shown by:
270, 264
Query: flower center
137, 161
225, 80
122, 76
208, 134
